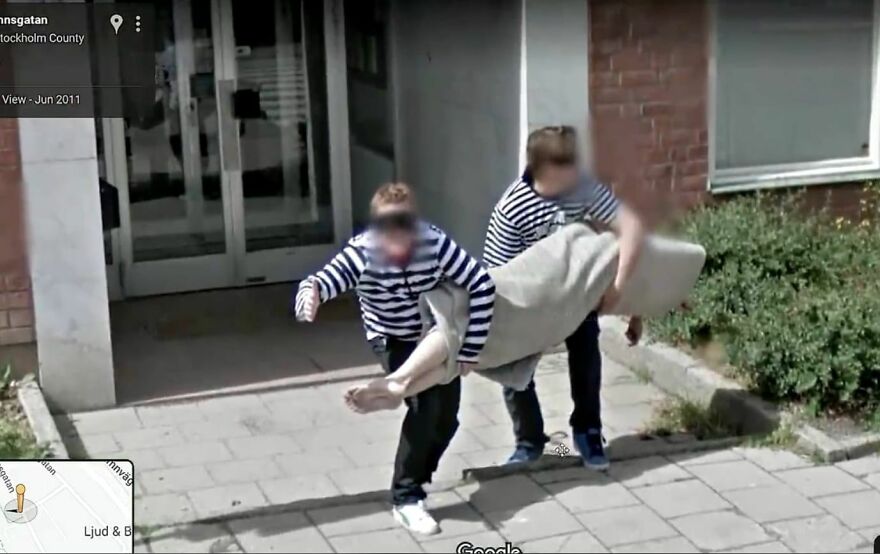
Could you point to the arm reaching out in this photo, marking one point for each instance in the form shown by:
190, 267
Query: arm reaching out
631, 236
605, 209
342, 273
465, 271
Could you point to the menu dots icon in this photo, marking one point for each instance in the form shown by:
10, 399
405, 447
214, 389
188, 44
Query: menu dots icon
137, 24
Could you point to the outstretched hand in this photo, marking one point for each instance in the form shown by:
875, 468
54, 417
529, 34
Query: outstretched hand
634, 330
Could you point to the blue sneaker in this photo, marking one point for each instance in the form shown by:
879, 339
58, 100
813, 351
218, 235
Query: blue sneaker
524, 455
591, 446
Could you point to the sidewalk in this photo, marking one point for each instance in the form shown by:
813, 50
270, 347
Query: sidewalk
736, 500
214, 457
295, 470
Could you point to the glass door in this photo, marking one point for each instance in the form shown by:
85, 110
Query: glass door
285, 121
238, 172
175, 208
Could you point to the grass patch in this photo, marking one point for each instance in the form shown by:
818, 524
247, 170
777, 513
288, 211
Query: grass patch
679, 415
16, 439
782, 438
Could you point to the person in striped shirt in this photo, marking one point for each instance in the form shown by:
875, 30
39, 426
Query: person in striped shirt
551, 192
399, 257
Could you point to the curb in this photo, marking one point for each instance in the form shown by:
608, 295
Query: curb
831, 450
681, 375
30, 396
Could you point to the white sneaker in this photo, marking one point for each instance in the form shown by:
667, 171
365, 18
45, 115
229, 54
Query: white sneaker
416, 518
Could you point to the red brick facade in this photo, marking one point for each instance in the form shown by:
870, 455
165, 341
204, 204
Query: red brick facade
649, 104
16, 312
648, 100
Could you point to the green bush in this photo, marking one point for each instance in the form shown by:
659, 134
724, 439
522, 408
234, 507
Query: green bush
794, 299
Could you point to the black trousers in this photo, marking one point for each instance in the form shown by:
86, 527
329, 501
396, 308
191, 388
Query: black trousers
430, 423
585, 374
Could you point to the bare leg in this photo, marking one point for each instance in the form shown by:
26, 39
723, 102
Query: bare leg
422, 370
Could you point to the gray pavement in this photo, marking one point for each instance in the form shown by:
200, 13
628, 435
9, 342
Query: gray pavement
653, 504
294, 471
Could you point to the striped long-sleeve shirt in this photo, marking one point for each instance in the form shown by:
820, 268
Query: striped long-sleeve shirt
389, 294
522, 217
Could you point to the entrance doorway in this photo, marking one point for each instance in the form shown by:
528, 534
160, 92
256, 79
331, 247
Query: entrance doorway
238, 173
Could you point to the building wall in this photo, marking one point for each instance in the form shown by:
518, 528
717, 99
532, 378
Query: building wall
458, 88
557, 64
16, 312
648, 100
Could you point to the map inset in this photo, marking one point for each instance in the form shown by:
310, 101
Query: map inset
66, 506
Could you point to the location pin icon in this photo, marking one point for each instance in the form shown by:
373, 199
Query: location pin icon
19, 492
116, 21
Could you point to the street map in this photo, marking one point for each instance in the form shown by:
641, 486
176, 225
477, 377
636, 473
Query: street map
66, 506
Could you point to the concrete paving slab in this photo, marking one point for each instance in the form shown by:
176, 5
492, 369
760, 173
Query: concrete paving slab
227, 499
296, 489
285, 532
194, 538
504, 494
389, 540
245, 447
534, 521
855, 509
449, 545
615, 527
860, 467
821, 480
675, 544
174, 479
193, 453
727, 476
681, 498
686, 459
244, 471
816, 534
163, 509
771, 459
652, 470
352, 518
586, 496
765, 504
719, 530
102, 421
761, 548
581, 541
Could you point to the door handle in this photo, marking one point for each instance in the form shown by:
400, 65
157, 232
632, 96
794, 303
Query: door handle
230, 150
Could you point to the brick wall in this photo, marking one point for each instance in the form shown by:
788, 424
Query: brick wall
648, 75
648, 101
16, 313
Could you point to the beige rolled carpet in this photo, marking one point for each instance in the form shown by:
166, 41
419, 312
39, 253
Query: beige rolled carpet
544, 294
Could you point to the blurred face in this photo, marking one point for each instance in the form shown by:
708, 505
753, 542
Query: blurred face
395, 227
556, 179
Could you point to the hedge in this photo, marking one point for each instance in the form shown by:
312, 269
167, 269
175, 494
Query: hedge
793, 300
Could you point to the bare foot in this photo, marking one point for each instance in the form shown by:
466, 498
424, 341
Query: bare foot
379, 394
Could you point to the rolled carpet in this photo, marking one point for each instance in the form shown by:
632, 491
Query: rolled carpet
544, 294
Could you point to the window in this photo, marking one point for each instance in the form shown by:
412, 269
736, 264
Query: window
793, 92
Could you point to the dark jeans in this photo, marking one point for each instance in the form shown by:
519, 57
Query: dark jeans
585, 373
430, 423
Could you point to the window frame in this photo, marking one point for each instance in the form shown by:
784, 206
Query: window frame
833, 170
